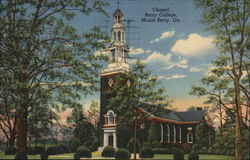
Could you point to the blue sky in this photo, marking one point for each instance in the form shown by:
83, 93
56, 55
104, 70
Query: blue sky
180, 53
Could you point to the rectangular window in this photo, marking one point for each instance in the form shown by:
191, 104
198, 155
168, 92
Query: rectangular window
190, 138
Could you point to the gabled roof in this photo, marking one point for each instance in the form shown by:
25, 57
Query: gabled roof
189, 116
175, 117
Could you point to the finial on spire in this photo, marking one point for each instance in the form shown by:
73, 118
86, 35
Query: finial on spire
118, 3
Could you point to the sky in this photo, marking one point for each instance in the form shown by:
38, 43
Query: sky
168, 36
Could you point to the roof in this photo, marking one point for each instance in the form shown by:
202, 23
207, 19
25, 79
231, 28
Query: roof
189, 116
167, 115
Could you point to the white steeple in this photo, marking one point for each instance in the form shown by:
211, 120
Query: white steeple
118, 50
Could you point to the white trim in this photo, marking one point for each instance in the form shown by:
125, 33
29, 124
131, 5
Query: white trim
190, 140
168, 134
174, 134
179, 134
161, 133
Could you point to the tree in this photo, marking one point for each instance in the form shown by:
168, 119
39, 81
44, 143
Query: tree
43, 57
132, 90
83, 130
93, 113
191, 108
229, 21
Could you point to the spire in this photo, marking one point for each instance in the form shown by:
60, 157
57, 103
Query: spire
118, 3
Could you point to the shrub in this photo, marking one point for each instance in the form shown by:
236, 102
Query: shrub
21, 156
146, 153
53, 150
161, 150
75, 143
203, 150
193, 155
82, 152
35, 150
10, 151
187, 147
122, 154
44, 155
155, 144
178, 154
130, 145
146, 144
64, 148
108, 151
173, 149
95, 144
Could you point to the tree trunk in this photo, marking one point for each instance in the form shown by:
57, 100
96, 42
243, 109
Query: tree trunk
220, 113
12, 140
22, 124
238, 136
135, 135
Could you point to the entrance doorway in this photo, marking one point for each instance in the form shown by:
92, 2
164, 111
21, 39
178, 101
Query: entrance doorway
111, 142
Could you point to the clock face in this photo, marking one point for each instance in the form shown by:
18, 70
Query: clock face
110, 82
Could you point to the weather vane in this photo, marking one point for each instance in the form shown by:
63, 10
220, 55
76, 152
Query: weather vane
118, 3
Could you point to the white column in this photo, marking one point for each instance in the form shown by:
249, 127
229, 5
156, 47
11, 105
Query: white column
174, 134
105, 139
180, 133
161, 133
114, 140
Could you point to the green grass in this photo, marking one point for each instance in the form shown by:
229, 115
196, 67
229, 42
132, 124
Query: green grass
201, 157
98, 155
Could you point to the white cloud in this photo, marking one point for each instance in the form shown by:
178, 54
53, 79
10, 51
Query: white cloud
136, 50
193, 69
157, 57
176, 76
164, 35
194, 45
181, 64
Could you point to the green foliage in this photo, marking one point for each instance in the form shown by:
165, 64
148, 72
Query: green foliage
83, 130
193, 156
123, 135
10, 151
74, 144
82, 152
152, 133
44, 156
186, 147
130, 145
35, 150
178, 154
108, 151
202, 133
122, 154
21, 156
46, 63
59, 149
146, 152
161, 151
142, 90
94, 145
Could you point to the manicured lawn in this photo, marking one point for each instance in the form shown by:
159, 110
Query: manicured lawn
98, 155
201, 156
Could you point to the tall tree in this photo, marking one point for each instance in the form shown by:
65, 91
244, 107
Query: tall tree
132, 90
43, 57
93, 113
229, 21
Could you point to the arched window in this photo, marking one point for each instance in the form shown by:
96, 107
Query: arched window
174, 134
190, 138
113, 55
179, 134
110, 118
161, 133
119, 35
168, 134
